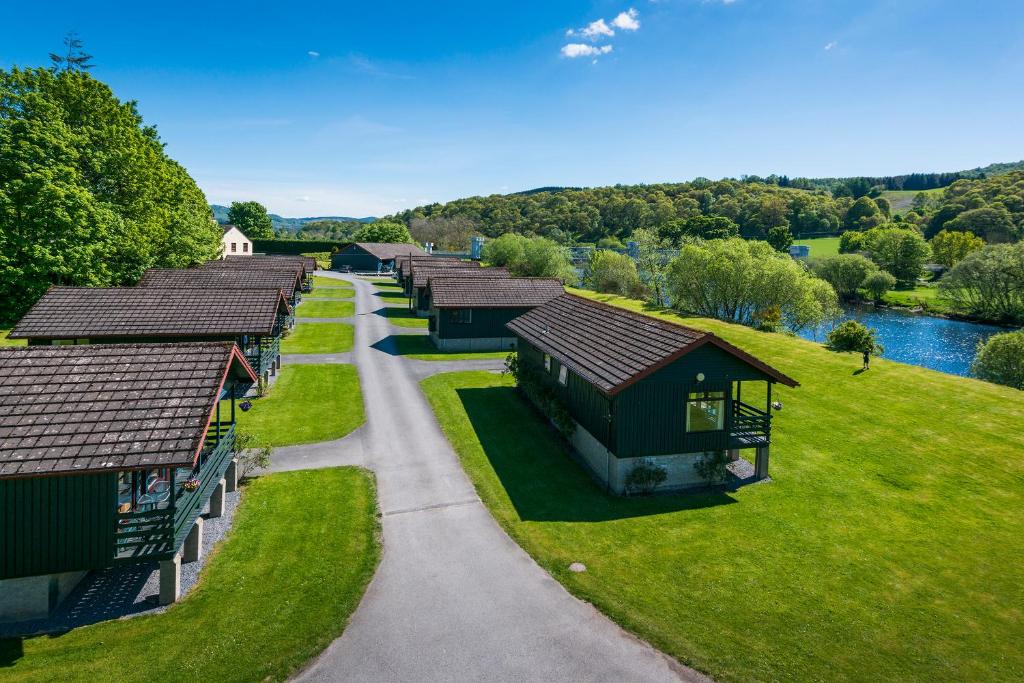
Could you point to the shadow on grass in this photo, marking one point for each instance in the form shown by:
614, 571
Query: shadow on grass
401, 316
542, 481
11, 650
405, 344
391, 295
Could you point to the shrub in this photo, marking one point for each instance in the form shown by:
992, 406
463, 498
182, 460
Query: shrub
252, 453
1001, 360
612, 273
644, 478
878, 283
853, 336
713, 467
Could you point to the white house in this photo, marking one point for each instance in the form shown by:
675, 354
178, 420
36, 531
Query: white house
235, 243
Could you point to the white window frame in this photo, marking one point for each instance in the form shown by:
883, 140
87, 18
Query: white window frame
702, 397
563, 375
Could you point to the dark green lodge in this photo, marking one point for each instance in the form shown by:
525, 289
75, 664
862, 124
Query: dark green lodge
252, 318
646, 393
470, 314
108, 455
419, 299
372, 257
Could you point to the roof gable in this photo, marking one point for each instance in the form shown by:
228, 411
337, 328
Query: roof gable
491, 292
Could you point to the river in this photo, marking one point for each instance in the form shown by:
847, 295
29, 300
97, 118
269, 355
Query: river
937, 343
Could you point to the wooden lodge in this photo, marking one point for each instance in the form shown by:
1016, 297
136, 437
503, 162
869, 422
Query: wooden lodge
470, 314
644, 392
422, 273
404, 265
252, 318
303, 266
372, 257
108, 455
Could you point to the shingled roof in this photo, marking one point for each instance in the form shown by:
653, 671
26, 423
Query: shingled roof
223, 278
147, 312
421, 276
490, 292
295, 264
109, 406
402, 262
386, 251
612, 348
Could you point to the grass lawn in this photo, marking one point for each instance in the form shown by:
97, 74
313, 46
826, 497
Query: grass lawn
402, 316
275, 593
922, 295
420, 347
321, 281
388, 285
4, 341
890, 545
325, 309
901, 200
319, 338
391, 296
330, 293
308, 403
820, 246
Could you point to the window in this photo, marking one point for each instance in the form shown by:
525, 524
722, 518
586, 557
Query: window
547, 362
234, 247
705, 411
462, 315
245, 247
563, 375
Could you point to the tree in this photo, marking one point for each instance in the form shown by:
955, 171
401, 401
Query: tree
504, 250
949, 248
863, 215
704, 227
652, 262
901, 251
878, 283
884, 206
252, 219
988, 283
993, 223
74, 57
780, 238
852, 336
851, 242
845, 272
612, 273
747, 282
444, 232
1001, 360
530, 257
383, 232
88, 196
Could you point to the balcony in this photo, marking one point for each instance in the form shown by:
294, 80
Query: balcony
750, 427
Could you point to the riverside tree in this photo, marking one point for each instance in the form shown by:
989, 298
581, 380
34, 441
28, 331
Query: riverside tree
846, 273
988, 283
87, 194
950, 247
1001, 360
612, 273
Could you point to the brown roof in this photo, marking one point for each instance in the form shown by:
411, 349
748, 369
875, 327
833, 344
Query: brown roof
479, 292
299, 264
402, 262
420, 276
222, 278
612, 348
109, 406
126, 312
386, 251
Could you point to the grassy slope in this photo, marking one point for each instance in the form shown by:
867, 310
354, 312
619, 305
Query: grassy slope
890, 544
319, 338
308, 403
420, 347
262, 609
325, 309
821, 246
900, 200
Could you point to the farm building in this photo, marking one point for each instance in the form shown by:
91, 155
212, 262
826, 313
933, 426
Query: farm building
234, 242
304, 265
470, 314
288, 281
372, 257
252, 318
418, 300
647, 394
108, 455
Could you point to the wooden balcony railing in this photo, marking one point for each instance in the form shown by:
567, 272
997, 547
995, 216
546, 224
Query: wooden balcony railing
750, 426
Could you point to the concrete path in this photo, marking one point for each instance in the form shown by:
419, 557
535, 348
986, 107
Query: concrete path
454, 598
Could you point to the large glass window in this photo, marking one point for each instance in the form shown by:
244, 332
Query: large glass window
462, 315
705, 411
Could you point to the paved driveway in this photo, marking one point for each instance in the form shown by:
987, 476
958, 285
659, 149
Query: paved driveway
454, 598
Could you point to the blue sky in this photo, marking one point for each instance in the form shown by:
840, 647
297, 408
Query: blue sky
359, 109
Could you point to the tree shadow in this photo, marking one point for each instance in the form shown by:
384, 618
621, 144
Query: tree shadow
542, 480
11, 650
405, 344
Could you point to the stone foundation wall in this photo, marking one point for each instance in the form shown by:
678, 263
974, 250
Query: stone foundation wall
474, 343
34, 597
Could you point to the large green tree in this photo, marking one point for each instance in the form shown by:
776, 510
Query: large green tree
1001, 360
384, 232
900, 251
252, 219
87, 194
989, 283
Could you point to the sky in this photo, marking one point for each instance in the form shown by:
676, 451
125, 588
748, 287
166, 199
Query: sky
367, 108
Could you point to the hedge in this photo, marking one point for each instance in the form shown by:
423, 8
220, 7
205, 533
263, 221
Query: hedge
295, 246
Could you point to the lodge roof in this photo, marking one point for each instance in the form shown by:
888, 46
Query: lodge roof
264, 262
223, 278
386, 251
612, 348
491, 292
421, 276
402, 262
125, 312
75, 409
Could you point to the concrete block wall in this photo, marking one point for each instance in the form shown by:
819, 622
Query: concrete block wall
35, 597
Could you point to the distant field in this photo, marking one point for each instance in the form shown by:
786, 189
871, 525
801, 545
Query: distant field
900, 200
821, 246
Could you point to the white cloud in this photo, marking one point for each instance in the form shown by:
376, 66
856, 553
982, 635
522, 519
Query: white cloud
304, 198
596, 29
627, 20
313, 53
573, 50
830, 45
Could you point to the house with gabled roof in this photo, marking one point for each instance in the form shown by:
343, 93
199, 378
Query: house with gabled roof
109, 453
252, 318
372, 257
289, 281
470, 313
305, 266
646, 393
422, 273
404, 265
234, 242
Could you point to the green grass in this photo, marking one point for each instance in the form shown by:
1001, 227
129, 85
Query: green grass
388, 285
820, 246
4, 341
420, 347
927, 297
307, 404
330, 293
321, 281
889, 545
273, 595
319, 338
901, 200
402, 317
325, 309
